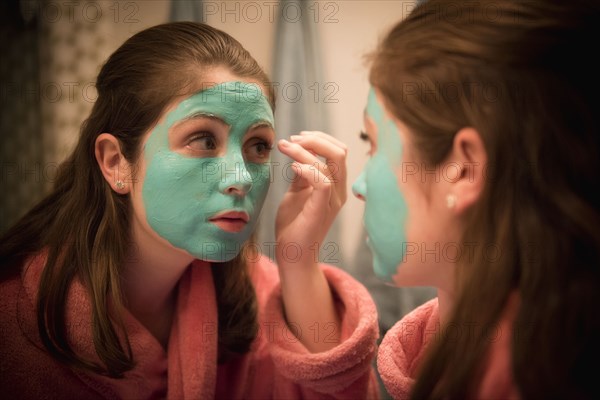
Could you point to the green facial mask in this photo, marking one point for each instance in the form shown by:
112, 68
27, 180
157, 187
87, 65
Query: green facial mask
182, 193
385, 206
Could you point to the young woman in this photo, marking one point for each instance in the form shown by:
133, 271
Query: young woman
137, 276
482, 182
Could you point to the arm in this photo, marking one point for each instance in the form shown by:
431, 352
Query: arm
309, 306
304, 217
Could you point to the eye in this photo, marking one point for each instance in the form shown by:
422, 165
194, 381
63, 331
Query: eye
202, 141
258, 150
364, 136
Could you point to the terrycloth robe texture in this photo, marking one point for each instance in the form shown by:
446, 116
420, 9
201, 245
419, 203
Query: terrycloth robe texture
403, 349
277, 367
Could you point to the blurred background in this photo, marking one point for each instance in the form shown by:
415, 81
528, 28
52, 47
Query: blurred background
314, 52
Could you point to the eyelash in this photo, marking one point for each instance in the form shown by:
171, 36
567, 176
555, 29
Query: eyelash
202, 135
364, 136
268, 145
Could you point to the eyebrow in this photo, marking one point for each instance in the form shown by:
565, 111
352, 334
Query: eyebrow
261, 124
205, 115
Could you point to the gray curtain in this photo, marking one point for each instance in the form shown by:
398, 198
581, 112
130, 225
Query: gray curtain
297, 69
186, 10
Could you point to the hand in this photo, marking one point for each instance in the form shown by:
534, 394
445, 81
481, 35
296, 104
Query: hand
303, 219
315, 196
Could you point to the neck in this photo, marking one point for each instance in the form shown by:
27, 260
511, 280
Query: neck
149, 282
445, 303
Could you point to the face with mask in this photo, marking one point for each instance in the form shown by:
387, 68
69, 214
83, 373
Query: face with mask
385, 209
413, 235
206, 170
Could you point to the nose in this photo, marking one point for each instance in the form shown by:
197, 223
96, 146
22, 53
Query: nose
235, 179
237, 189
359, 188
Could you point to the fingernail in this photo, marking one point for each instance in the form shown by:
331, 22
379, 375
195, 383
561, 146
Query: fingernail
295, 138
284, 143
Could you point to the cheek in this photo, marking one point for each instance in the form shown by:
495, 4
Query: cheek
260, 175
414, 193
137, 185
385, 216
173, 182
408, 184
432, 243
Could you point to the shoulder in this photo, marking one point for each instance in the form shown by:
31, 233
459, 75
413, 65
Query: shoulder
265, 277
497, 377
26, 369
423, 317
18, 287
404, 345
11, 288
415, 330
20, 283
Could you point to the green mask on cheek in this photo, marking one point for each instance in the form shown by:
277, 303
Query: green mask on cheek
182, 193
385, 206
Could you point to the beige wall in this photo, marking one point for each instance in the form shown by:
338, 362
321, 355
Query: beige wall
348, 30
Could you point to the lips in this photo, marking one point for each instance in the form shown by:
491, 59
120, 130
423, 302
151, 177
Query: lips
230, 221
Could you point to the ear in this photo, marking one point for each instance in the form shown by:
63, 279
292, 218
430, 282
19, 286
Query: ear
112, 163
469, 155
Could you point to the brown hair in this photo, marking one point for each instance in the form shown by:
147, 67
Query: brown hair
134, 86
521, 74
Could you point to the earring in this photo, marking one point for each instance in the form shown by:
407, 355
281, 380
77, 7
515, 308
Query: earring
119, 184
450, 201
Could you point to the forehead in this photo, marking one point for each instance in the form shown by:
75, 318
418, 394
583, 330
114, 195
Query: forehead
231, 101
209, 77
375, 108
237, 103
374, 114
219, 75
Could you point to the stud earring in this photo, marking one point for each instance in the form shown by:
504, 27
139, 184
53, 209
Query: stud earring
119, 184
450, 201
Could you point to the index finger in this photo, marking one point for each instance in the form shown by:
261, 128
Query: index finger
326, 137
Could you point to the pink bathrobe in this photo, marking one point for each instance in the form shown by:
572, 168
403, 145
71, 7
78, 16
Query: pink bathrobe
404, 346
278, 365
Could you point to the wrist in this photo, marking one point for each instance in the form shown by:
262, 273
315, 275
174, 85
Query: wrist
298, 274
295, 255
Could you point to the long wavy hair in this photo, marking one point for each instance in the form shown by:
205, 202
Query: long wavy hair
85, 226
521, 74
